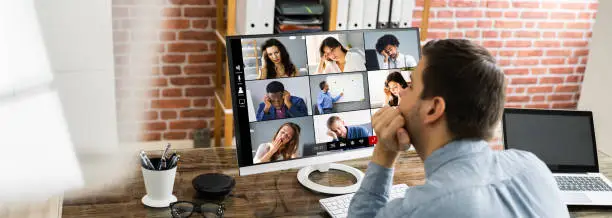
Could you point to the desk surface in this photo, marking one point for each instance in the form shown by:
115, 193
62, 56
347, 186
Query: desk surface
275, 194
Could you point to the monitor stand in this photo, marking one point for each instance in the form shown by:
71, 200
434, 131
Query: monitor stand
303, 174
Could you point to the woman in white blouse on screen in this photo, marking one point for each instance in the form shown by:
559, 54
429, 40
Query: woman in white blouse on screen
284, 145
335, 58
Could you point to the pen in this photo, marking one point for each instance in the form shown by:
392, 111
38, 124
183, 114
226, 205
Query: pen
163, 157
166, 151
173, 161
148, 162
162, 164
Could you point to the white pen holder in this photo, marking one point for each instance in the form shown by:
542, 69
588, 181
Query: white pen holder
159, 185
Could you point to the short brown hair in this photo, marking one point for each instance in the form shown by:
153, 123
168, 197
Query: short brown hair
331, 120
465, 75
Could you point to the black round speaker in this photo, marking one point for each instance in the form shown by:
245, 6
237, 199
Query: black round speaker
213, 186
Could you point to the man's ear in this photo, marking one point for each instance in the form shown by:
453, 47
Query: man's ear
434, 110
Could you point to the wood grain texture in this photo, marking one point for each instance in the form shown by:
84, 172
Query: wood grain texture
275, 194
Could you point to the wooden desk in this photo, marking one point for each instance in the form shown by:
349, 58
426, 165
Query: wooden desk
275, 194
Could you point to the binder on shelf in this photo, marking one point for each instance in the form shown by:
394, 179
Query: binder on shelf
407, 9
342, 14
355, 16
384, 9
396, 11
370, 10
254, 17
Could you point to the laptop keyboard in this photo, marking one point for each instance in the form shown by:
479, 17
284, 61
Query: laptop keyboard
581, 183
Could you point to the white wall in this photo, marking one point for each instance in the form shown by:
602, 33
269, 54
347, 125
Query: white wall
597, 84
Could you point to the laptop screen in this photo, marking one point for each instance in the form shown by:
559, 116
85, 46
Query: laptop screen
559, 138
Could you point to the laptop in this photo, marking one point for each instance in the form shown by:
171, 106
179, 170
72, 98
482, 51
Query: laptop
565, 141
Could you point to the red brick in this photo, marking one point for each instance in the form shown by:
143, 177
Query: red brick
503, 62
553, 61
537, 98
511, 14
463, 3
175, 59
539, 106
551, 80
150, 115
508, 24
507, 53
567, 88
571, 34
485, 24
563, 15
194, 80
441, 25
171, 12
519, 90
558, 52
199, 12
172, 92
525, 4
561, 70
171, 70
593, 6
188, 124
199, 69
561, 97
175, 24
550, 35
580, 69
572, 60
573, 5
584, 60
199, 92
565, 105
456, 34
167, 36
153, 93
513, 99
150, 136
529, 24
187, 47
493, 52
202, 102
530, 53
438, 3
466, 24
538, 71
547, 44
574, 79
550, 25
155, 126
490, 34
436, 35
419, 14
525, 62
534, 15
497, 4
581, 52
527, 34
175, 135
518, 71
493, 14
171, 103
510, 105
196, 35
444, 14
509, 90
492, 44
506, 34
159, 82
540, 89
468, 14
579, 25
204, 58
200, 24
473, 34
167, 115
518, 44
575, 44
524, 80
190, 2
549, 5
197, 113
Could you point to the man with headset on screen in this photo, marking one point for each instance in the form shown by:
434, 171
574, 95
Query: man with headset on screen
388, 47
448, 113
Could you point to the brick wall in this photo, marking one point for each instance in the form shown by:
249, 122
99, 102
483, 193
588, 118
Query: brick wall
541, 45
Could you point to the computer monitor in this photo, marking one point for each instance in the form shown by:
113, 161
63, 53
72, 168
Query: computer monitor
311, 96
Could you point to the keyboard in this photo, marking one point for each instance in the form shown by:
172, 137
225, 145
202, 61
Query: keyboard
581, 183
337, 206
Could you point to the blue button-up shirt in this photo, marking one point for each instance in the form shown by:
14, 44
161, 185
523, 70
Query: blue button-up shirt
324, 100
466, 179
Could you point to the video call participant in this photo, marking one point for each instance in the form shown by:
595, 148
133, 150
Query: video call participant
338, 130
277, 62
278, 104
325, 102
393, 85
284, 145
335, 58
387, 46
449, 112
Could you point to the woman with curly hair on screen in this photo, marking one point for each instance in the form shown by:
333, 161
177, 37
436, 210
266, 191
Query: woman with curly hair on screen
284, 145
277, 62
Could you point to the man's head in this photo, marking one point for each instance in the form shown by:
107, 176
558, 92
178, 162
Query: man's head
457, 90
388, 44
336, 125
324, 86
274, 91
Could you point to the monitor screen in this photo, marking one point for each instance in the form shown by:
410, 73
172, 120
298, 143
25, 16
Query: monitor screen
312, 95
559, 138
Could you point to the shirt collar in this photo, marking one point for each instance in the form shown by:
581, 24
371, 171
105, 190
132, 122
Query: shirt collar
453, 150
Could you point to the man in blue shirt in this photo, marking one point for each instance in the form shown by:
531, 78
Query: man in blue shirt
339, 131
325, 101
279, 104
448, 113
